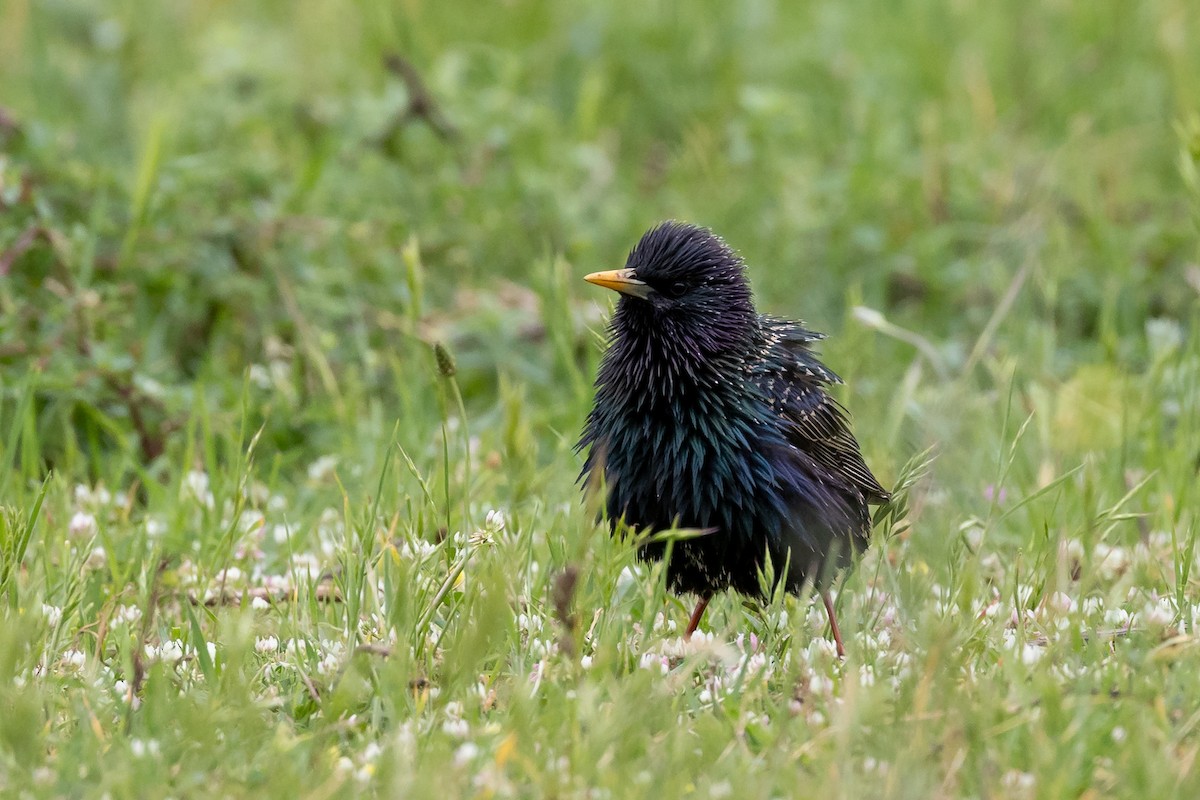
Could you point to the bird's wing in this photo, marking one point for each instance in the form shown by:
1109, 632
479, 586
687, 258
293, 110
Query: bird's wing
793, 382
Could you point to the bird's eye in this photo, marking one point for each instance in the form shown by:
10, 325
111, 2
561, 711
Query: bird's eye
676, 289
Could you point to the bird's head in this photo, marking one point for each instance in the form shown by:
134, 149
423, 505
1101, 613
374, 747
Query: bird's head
683, 274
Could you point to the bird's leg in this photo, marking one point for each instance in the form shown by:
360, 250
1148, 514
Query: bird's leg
837, 633
696, 615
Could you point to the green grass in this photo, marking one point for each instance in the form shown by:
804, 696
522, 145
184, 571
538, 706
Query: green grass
255, 541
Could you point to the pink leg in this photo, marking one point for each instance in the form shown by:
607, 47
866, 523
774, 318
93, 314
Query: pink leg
696, 615
837, 633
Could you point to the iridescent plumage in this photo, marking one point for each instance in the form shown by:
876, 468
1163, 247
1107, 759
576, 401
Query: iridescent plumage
709, 415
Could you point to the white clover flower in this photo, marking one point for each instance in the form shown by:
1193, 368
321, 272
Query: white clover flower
866, 675
252, 519
73, 660
1160, 614
1060, 604
266, 644
141, 748
626, 581
228, 575
195, 483
720, 790
417, 550
260, 376
277, 583
259, 603
494, 520
170, 651
1111, 561
128, 614
155, 527
585, 662
1020, 781
653, 661
322, 469
456, 728
1118, 617
1093, 605
52, 614
82, 525
96, 559
465, 754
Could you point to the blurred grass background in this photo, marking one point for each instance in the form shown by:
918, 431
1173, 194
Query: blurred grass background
231, 232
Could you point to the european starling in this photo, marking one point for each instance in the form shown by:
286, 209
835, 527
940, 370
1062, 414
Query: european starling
709, 415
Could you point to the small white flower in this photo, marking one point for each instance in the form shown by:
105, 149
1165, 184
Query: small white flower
720, 790
96, 559
626, 581
456, 728
82, 525
1021, 781
266, 644
1118, 617
195, 482
322, 469
1060, 604
155, 527
228, 575
1119, 734
73, 660
494, 520
1031, 654
465, 754
417, 550
252, 520
170, 651
1111, 561
52, 614
1092, 605
585, 662
259, 603
372, 751
128, 614
1160, 614
260, 376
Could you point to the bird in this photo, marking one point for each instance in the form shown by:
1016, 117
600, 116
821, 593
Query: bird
713, 417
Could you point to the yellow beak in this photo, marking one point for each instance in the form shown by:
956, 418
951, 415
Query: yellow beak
620, 280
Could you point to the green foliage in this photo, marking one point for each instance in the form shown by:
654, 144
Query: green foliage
293, 355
